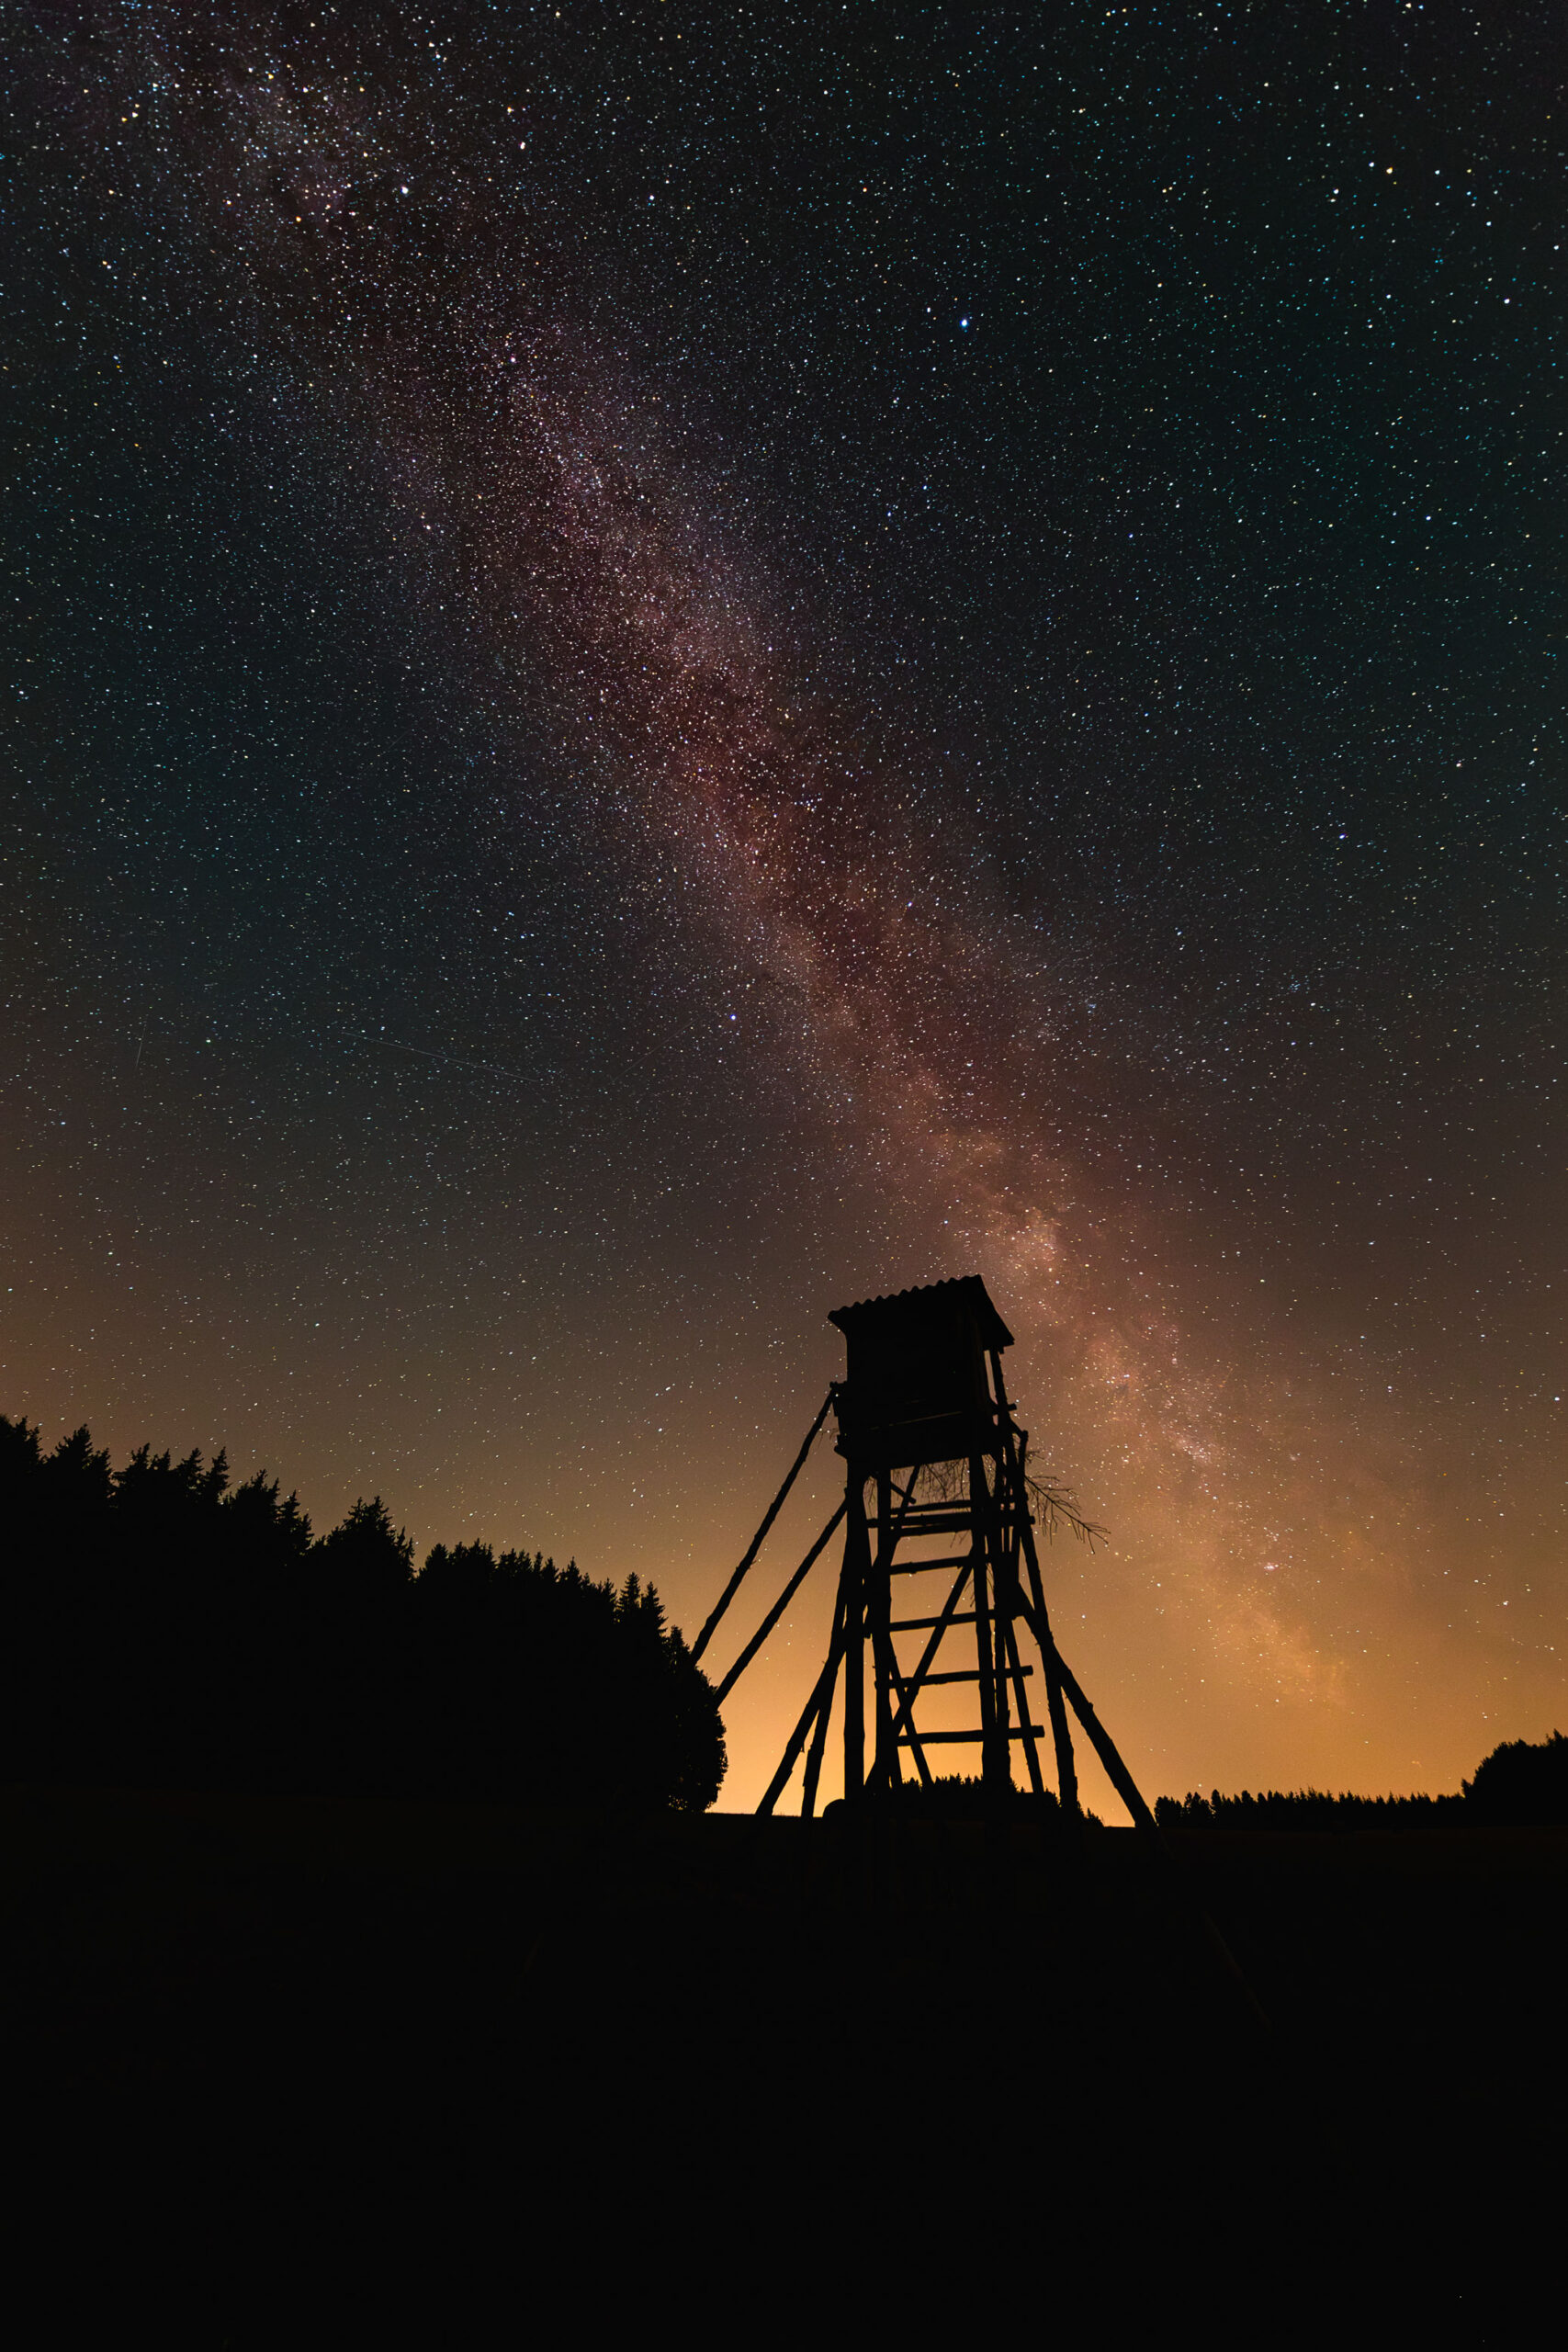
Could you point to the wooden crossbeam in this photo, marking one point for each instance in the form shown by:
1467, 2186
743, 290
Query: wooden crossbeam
885, 1658
952, 1522
969, 1739
968, 1674
904, 1718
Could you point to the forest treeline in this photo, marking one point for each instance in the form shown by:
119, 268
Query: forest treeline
160, 1626
1522, 1784
1519, 1785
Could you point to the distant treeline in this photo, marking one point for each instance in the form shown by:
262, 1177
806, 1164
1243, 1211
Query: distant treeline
160, 1626
1522, 1784
1518, 1785
1304, 1809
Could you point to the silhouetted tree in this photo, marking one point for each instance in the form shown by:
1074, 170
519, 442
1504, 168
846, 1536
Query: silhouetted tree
1521, 1783
158, 1626
362, 1559
603, 1697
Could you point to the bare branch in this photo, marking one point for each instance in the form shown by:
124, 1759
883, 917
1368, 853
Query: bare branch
1055, 1506
1054, 1503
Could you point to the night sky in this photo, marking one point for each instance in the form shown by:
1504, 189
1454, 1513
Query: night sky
671, 665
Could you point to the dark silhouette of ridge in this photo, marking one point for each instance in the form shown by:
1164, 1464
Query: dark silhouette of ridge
162, 1628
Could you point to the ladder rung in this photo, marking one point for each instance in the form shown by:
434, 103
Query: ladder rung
948, 1520
949, 1738
915, 1567
970, 1674
906, 1530
937, 1510
942, 1514
930, 1624
953, 1523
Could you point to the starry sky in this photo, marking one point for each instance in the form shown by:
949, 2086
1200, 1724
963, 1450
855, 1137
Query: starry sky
669, 665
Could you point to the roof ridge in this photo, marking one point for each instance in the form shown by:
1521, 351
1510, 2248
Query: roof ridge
972, 1284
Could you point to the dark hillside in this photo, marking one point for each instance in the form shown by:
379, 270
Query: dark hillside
430, 2067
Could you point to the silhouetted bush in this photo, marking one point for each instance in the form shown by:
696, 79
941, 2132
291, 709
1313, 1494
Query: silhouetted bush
1521, 1784
160, 1627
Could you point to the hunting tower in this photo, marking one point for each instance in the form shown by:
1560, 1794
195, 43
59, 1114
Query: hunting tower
938, 1506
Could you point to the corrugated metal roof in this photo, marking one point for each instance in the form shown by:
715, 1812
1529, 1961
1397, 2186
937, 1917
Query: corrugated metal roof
967, 1290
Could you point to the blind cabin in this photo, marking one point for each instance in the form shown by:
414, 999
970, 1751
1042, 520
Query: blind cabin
918, 1385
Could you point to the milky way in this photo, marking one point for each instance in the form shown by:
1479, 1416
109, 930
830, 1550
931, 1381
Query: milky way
672, 673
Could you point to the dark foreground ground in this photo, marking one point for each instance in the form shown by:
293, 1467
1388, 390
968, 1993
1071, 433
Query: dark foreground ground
329, 2072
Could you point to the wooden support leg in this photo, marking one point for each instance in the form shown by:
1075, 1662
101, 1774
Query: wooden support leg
817, 1707
994, 1771
1031, 1744
733, 1586
1005, 1689
1099, 1739
1061, 1733
819, 1736
886, 1775
778, 1610
857, 1567
1062, 1740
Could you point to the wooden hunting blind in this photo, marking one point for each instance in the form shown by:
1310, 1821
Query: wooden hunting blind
915, 1389
936, 1488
